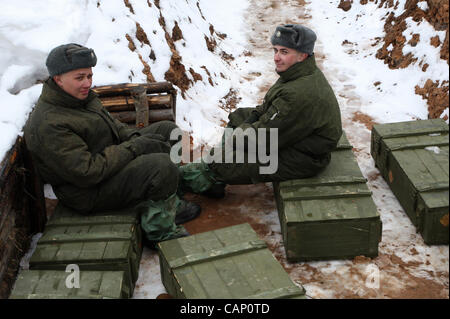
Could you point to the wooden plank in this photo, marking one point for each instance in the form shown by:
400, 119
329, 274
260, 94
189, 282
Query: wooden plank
304, 211
416, 141
325, 192
126, 103
126, 88
154, 116
409, 128
141, 106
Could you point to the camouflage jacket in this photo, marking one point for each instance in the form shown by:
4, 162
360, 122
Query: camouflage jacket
304, 109
75, 143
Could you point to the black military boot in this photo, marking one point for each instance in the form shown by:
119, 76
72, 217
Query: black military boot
216, 191
152, 245
186, 211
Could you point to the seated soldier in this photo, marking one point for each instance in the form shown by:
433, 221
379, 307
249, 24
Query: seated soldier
93, 161
302, 108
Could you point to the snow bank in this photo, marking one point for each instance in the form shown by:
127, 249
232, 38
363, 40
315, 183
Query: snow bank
350, 40
30, 29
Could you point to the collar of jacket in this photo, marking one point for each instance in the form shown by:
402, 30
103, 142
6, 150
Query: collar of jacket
299, 69
53, 94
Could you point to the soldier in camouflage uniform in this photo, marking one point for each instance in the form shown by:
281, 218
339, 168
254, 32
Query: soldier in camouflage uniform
301, 105
93, 161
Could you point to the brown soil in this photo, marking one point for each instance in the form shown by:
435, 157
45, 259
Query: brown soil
200, 10
146, 70
239, 206
230, 101
177, 34
209, 75
131, 44
195, 75
364, 119
345, 5
177, 73
210, 43
141, 35
129, 6
436, 94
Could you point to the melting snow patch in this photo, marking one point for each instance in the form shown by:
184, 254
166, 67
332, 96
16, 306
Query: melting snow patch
434, 149
423, 5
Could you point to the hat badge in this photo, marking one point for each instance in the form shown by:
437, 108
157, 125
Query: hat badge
278, 34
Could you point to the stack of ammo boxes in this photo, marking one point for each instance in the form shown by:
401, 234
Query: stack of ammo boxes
413, 159
105, 248
331, 215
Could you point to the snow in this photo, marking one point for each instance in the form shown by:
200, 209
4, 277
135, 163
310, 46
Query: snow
30, 29
423, 5
356, 64
425, 52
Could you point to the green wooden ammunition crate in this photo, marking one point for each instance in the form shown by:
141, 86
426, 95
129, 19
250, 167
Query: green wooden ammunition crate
51, 284
331, 215
413, 159
107, 241
231, 262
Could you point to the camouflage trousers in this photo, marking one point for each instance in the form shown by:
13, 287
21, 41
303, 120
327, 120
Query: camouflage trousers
148, 183
292, 164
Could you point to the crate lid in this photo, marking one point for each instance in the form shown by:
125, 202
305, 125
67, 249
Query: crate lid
72, 253
350, 207
417, 141
51, 284
211, 245
66, 216
426, 168
389, 130
87, 233
343, 169
435, 199
230, 262
325, 192
85, 243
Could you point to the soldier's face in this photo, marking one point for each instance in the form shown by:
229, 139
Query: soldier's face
285, 57
76, 83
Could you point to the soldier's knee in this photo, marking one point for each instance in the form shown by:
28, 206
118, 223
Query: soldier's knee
164, 174
169, 125
168, 169
172, 131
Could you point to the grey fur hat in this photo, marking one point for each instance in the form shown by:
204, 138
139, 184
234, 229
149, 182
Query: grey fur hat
295, 36
68, 57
